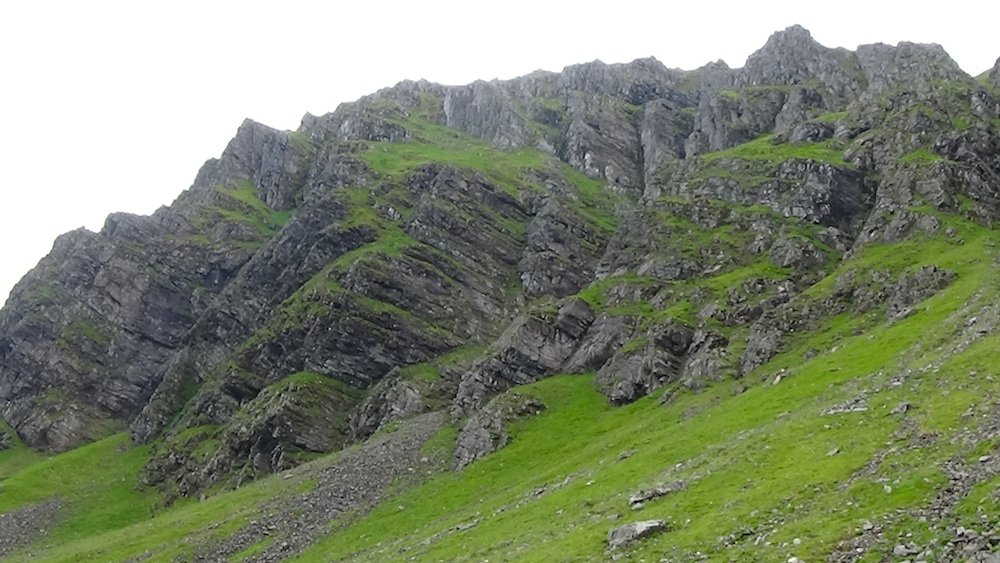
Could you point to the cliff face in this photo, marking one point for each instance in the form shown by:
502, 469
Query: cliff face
428, 247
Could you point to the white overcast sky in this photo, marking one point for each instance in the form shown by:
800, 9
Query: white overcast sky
113, 106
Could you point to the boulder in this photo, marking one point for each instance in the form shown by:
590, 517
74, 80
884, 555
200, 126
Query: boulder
630, 533
641, 497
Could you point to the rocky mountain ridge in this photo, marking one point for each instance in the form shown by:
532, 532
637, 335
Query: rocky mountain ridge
429, 248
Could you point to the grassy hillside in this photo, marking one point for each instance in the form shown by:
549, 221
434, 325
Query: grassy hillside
96, 487
780, 470
773, 467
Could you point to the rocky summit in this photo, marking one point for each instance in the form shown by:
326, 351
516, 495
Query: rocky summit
615, 312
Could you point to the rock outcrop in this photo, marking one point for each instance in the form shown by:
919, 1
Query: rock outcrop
83, 332
486, 431
558, 240
646, 363
487, 111
405, 393
912, 65
793, 57
390, 400
897, 293
534, 346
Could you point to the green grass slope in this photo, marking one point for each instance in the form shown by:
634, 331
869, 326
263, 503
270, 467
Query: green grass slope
96, 485
772, 470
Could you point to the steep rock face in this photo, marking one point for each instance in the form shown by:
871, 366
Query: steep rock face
376, 117
588, 114
604, 337
929, 137
912, 65
712, 78
412, 279
528, 111
892, 219
664, 128
532, 347
602, 141
661, 263
309, 241
486, 111
830, 195
82, 334
993, 75
286, 423
656, 360
732, 117
708, 359
412, 390
792, 57
637, 82
609, 134
458, 214
344, 338
362, 314
790, 80
390, 400
558, 244
377, 269
680, 239
300, 415
274, 161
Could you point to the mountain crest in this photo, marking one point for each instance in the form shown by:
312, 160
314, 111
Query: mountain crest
789, 42
907, 64
792, 57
